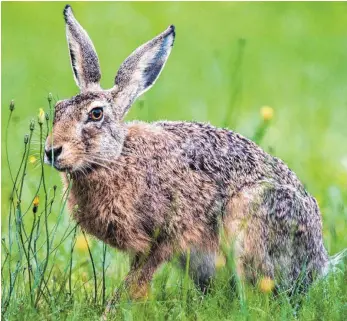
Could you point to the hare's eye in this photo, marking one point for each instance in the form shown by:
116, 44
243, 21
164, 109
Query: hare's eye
96, 114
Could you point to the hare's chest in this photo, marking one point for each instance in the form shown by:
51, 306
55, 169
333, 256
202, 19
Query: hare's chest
111, 221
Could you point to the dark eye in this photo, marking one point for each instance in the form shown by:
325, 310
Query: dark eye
96, 114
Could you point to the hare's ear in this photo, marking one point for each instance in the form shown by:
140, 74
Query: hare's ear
141, 69
84, 60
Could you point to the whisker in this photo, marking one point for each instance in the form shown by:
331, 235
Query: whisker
100, 164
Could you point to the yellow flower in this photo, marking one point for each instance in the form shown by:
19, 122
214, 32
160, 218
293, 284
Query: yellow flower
36, 201
266, 285
32, 159
81, 243
267, 113
41, 116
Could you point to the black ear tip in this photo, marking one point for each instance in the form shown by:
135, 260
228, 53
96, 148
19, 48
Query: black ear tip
170, 31
173, 33
66, 11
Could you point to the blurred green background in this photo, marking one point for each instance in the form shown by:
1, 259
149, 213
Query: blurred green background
294, 60
229, 60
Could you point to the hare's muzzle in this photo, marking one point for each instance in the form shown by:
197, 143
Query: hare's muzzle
53, 154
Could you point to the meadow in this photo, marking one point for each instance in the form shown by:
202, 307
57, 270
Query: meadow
274, 72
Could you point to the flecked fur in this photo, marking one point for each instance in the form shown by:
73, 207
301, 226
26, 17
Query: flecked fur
156, 189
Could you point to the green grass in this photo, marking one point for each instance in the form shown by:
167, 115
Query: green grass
229, 60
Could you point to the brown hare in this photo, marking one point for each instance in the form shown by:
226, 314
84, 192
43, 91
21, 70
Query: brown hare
157, 189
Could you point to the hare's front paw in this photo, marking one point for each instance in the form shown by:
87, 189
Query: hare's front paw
138, 291
132, 289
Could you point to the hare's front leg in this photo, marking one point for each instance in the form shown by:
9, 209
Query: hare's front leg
143, 266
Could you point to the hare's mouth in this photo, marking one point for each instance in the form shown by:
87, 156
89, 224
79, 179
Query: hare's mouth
61, 168
73, 170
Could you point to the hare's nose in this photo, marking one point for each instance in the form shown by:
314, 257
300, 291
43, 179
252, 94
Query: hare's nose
53, 152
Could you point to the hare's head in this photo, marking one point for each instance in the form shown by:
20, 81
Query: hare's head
88, 129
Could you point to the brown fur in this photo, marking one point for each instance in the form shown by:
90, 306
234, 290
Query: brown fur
157, 189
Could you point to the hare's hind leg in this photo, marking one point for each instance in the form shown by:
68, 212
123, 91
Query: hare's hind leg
278, 234
246, 236
248, 248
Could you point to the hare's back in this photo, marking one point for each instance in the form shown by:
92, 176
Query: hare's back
226, 156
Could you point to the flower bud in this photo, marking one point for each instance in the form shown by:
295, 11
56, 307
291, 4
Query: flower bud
41, 116
32, 125
12, 105
36, 203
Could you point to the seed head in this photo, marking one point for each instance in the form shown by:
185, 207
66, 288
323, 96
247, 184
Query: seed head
50, 97
26, 138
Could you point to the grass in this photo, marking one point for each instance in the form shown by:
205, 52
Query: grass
229, 60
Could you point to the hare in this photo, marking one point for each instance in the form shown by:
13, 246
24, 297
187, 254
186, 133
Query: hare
157, 189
